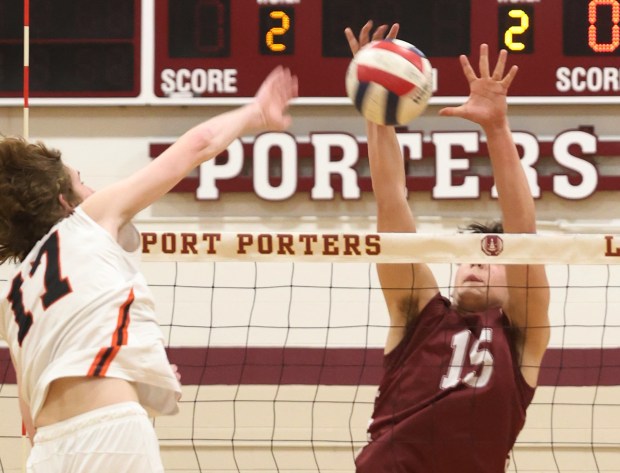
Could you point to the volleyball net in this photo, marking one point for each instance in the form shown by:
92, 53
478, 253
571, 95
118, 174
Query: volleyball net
279, 339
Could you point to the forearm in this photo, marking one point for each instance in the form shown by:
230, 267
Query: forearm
406, 287
389, 184
211, 137
385, 160
515, 197
201, 143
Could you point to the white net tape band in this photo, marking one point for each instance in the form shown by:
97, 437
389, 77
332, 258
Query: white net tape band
382, 247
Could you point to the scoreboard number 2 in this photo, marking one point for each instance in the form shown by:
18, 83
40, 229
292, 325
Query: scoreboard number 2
516, 28
522, 27
276, 31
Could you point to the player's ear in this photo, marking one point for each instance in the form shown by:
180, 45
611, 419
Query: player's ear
64, 203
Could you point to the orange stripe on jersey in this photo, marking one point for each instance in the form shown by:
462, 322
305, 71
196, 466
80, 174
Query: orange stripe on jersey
104, 358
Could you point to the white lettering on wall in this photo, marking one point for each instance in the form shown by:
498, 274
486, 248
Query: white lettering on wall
410, 146
331, 164
446, 164
211, 171
288, 166
196, 82
325, 167
586, 170
592, 79
529, 144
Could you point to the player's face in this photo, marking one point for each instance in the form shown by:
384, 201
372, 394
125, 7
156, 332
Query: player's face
82, 191
480, 286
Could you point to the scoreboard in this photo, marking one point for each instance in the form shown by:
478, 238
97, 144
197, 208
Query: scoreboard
77, 48
218, 51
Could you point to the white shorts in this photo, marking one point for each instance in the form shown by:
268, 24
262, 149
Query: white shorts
118, 438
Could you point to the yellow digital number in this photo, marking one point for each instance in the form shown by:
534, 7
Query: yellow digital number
516, 30
277, 31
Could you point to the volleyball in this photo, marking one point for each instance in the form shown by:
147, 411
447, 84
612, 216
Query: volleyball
389, 81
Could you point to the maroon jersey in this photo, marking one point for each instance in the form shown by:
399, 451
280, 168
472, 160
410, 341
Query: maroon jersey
452, 396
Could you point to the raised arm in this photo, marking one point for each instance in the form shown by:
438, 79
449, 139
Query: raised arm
528, 288
117, 204
406, 287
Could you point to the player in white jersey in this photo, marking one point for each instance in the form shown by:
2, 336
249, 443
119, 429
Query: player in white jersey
77, 314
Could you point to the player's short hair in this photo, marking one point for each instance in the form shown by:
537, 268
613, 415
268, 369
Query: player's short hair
489, 227
32, 177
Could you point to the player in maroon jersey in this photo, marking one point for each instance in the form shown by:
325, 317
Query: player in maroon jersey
459, 374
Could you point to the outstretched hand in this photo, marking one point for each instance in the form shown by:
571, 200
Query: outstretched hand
486, 104
364, 38
273, 98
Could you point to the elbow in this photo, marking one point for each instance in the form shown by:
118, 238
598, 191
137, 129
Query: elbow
203, 144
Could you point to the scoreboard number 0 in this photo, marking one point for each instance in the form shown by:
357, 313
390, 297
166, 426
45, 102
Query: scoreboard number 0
593, 31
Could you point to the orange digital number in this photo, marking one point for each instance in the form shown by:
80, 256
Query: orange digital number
277, 31
592, 29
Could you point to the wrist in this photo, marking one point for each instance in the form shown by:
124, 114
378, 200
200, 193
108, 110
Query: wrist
256, 117
496, 127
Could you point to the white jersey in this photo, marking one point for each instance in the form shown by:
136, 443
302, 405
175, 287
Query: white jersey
79, 306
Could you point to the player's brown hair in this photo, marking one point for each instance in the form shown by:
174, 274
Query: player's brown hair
489, 227
32, 177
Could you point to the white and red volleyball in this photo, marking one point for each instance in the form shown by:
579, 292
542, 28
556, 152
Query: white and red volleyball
389, 81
